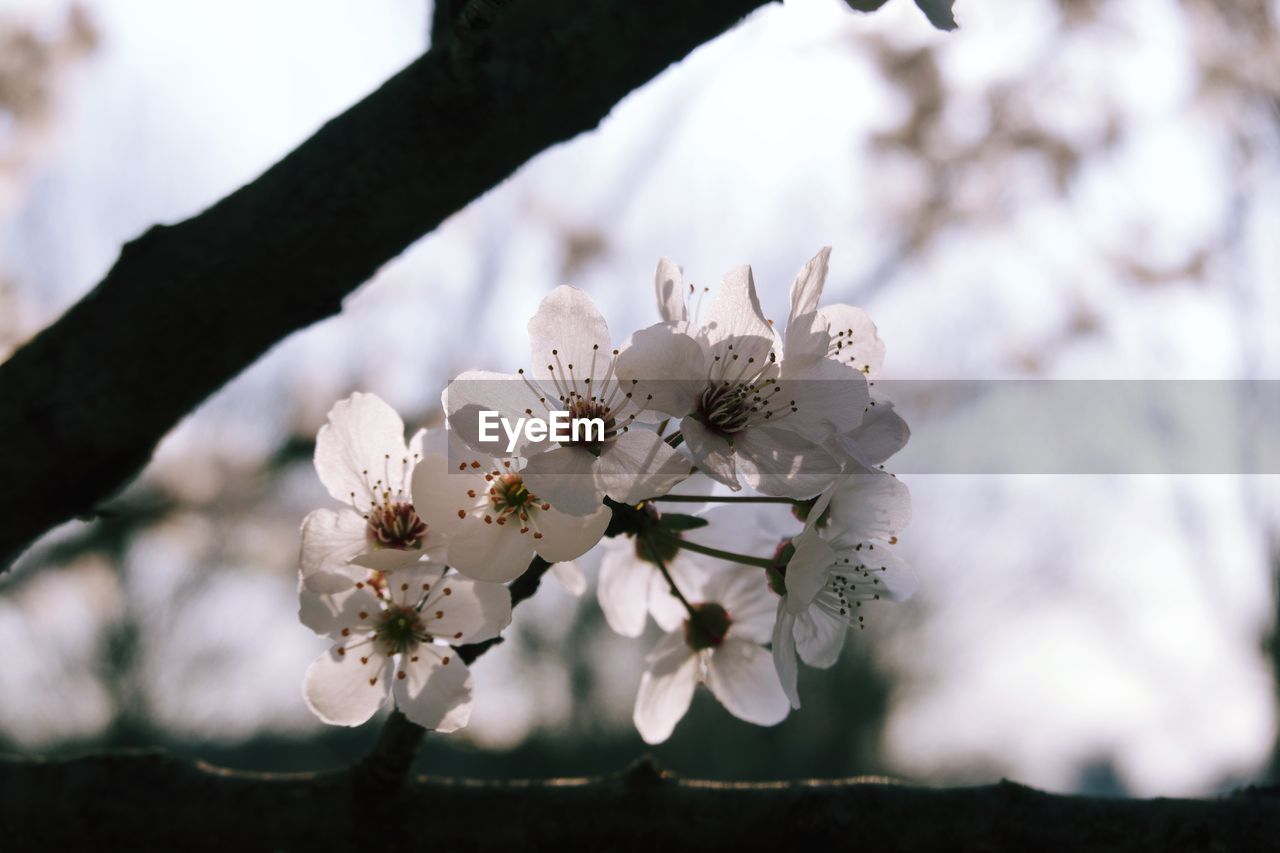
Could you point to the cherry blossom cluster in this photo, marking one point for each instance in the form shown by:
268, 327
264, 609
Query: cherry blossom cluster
770, 445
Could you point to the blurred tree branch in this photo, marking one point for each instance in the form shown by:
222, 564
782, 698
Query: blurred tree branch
150, 801
187, 307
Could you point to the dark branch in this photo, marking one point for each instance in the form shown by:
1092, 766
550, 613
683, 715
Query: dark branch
187, 307
146, 801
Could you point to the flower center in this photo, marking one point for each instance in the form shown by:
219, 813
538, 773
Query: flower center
395, 525
709, 628
583, 415
401, 628
727, 408
509, 495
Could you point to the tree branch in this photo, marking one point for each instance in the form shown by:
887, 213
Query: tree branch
187, 307
150, 801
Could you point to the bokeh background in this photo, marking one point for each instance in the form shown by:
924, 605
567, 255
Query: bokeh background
1085, 189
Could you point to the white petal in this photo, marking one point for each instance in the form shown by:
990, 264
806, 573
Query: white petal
566, 537
881, 434
330, 539
806, 290
744, 593
819, 637
504, 396
666, 688
806, 336
872, 505
784, 655
465, 611
440, 490
808, 569
671, 365
776, 461
623, 588
668, 284
829, 397
568, 334
858, 342
329, 613
742, 676
342, 690
492, 552
637, 465
711, 453
434, 694
570, 577
363, 434
735, 312
389, 559
565, 477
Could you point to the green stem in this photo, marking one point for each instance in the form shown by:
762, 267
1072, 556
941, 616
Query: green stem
666, 575
725, 555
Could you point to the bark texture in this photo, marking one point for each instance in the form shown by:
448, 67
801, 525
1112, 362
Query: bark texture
150, 801
186, 307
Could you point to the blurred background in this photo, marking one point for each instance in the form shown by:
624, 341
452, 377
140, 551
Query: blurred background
1084, 189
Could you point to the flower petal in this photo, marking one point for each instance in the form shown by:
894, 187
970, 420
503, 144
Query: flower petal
871, 505
565, 478
668, 285
784, 655
466, 611
330, 538
566, 537
819, 637
881, 434
671, 365
570, 577
623, 587
744, 593
434, 694
742, 676
854, 338
491, 552
345, 689
711, 452
329, 613
568, 337
777, 461
505, 396
362, 442
666, 688
735, 313
637, 465
807, 570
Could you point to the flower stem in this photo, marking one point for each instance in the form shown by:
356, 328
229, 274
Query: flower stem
729, 556
727, 499
652, 541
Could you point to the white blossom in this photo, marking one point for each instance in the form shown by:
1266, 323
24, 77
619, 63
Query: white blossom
363, 461
491, 521
747, 405
843, 557
573, 370
723, 647
393, 634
